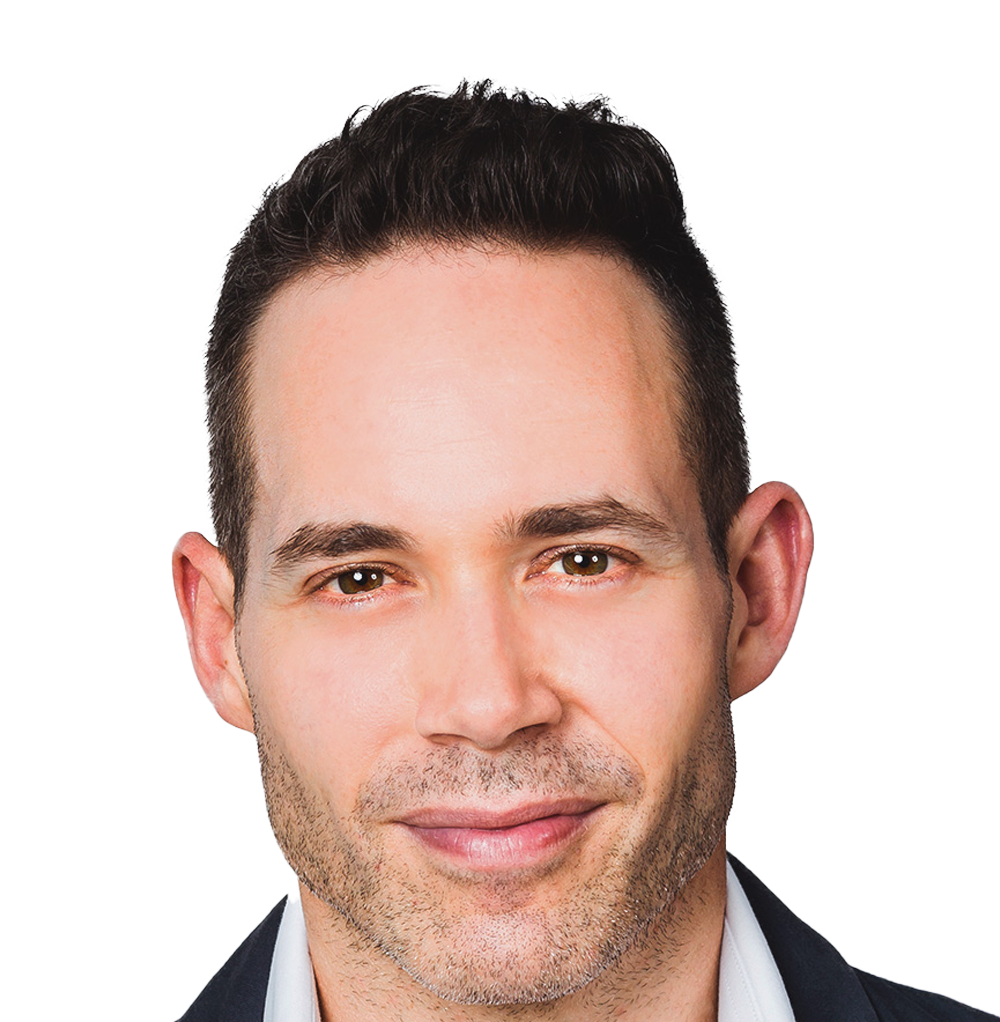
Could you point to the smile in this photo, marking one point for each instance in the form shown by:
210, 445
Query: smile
489, 840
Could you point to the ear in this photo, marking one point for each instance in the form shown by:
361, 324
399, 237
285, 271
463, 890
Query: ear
204, 587
770, 546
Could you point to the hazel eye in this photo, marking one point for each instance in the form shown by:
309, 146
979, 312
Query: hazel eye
359, 580
585, 562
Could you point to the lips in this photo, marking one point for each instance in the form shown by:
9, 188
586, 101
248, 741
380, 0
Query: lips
515, 837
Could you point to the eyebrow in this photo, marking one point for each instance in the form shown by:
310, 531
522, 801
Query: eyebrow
327, 540
587, 516
320, 540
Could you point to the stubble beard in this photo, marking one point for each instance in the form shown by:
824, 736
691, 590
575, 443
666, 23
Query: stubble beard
516, 953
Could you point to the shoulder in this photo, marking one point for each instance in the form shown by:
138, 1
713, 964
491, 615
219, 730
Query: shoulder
894, 1002
237, 991
822, 987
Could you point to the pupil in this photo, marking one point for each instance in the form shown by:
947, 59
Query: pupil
361, 580
586, 562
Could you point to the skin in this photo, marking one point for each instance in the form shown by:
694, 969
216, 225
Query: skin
503, 783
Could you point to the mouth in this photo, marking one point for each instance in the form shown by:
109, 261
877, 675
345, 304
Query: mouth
498, 840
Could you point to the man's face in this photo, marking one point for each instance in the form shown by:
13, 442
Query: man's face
483, 632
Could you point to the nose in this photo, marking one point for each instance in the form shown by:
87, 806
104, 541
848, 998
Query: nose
481, 682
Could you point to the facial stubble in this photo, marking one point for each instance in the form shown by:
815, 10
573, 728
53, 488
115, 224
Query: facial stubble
508, 950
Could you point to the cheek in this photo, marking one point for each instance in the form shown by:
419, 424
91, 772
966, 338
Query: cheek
648, 674
331, 697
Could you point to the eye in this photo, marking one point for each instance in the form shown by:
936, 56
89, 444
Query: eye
585, 562
358, 580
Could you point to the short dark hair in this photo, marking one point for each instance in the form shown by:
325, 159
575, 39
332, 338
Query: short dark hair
480, 165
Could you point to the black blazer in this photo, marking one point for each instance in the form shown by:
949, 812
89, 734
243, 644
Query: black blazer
821, 986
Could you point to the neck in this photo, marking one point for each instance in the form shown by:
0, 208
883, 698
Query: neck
672, 972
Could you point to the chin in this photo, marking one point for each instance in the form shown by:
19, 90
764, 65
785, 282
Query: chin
523, 958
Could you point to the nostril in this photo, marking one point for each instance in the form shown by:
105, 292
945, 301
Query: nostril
487, 719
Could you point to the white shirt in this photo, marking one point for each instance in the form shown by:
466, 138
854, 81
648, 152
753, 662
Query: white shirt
750, 986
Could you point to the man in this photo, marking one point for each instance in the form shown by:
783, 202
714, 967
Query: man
488, 578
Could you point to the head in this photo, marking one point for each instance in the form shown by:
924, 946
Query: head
489, 574
481, 167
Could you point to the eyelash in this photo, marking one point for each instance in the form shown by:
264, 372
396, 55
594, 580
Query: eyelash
389, 570
540, 566
551, 557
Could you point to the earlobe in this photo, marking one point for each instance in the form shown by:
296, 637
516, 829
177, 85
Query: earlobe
204, 587
770, 546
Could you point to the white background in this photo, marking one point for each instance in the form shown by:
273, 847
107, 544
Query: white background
840, 171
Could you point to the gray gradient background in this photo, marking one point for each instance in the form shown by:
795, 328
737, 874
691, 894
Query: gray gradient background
854, 223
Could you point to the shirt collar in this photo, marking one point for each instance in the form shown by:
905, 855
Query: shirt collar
750, 986
291, 986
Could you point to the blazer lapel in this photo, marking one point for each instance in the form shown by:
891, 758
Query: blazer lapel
821, 986
237, 991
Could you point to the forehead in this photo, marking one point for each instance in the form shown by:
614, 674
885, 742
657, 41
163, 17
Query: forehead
484, 377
